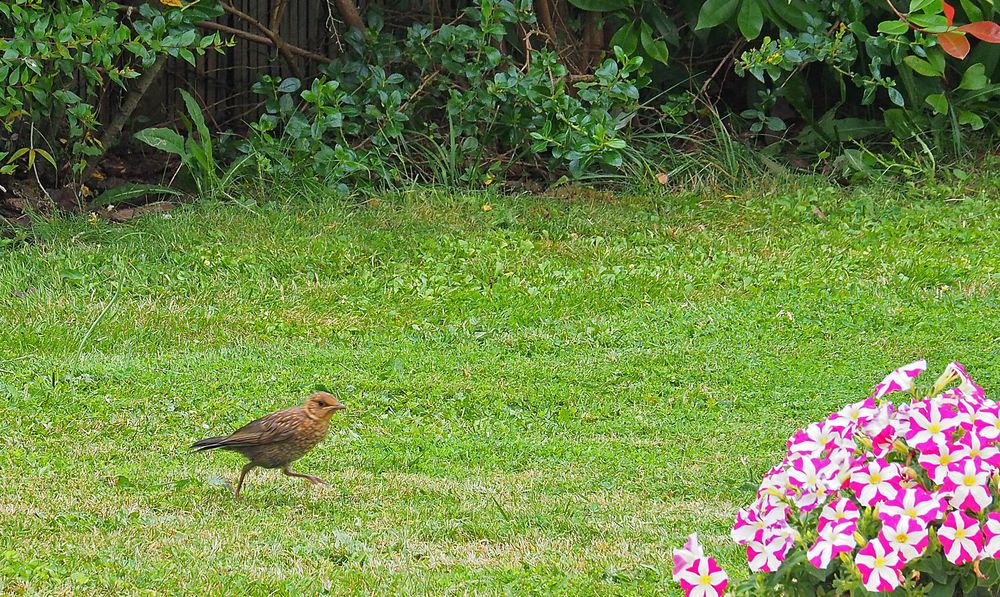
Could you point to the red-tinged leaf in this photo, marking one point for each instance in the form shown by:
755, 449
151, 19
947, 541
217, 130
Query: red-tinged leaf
949, 12
984, 30
955, 44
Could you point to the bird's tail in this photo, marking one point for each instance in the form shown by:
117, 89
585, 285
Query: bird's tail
209, 443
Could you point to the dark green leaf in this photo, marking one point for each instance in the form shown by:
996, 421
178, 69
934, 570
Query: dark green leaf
895, 27
972, 10
916, 5
186, 55
938, 102
896, 97
627, 37
750, 19
656, 48
162, 139
289, 85
929, 21
970, 119
922, 67
608, 70
716, 12
128, 192
187, 38
974, 78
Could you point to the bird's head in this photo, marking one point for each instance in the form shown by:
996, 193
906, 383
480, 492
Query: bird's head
322, 404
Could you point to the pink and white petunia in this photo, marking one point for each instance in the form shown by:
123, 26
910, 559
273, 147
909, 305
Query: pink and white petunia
982, 448
813, 440
961, 538
931, 424
915, 503
964, 406
937, 458
687, 555
988, 421
833, 539
775, 481
767, 556
991, 536
968, 484
839, 511
817, 439
702, 578
879, 565
858, 413
814, 479
900, 380
966, 386
877, 482
883, 430
907, 536
751, 524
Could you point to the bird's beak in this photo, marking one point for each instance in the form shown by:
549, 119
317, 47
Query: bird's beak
339, 406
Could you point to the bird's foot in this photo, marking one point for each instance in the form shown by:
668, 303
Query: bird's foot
316, 480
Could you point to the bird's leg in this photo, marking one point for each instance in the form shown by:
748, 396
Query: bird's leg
314, 480
246, 469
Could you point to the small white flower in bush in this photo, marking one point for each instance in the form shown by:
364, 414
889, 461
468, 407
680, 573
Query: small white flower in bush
882, 496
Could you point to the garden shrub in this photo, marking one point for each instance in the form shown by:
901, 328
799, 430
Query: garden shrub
447, 106
59, 57
537, 89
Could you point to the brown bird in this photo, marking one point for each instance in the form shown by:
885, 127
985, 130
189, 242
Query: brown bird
280, 438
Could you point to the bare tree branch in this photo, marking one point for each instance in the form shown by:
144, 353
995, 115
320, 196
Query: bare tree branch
349, 11
270, 34
264, 40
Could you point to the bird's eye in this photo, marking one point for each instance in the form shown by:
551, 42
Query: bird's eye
321, 403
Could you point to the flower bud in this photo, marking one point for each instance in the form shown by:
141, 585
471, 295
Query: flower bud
945, 378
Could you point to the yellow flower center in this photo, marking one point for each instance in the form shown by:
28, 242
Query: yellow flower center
705, 580
875, 479
879, 562
901, 538
934, 428
945, 459
969, 480
960, 533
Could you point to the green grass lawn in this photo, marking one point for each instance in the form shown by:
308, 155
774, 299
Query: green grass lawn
543, 398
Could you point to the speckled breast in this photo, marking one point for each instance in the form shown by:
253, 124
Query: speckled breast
279, 454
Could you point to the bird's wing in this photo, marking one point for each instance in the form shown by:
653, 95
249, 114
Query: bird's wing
275, 427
